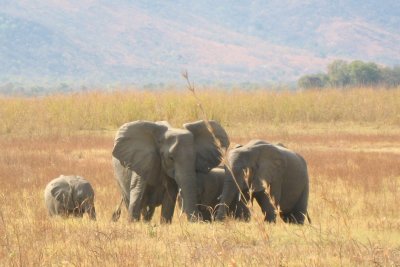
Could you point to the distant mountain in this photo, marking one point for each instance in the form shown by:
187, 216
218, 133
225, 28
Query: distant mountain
126, 41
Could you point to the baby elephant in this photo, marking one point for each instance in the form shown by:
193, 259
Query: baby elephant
210, 187
70, 195
283, 171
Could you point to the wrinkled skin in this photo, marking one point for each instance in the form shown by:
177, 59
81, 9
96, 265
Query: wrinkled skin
152, 160
282, 170
152, 197
210, 189
70, 195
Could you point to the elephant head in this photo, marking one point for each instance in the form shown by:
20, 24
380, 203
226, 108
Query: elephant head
154, 150
81, 195
62, 193
259, 161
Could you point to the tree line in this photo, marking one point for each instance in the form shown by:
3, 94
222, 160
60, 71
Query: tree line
342, 74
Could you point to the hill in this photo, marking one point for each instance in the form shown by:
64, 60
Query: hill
152, 42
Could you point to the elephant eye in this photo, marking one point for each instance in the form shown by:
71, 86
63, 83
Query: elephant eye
170, 158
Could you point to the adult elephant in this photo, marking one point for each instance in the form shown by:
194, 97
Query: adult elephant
155, 157
285, 173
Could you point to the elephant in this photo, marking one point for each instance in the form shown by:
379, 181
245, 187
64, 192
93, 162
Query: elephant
210, 189
153, 157
70, 195
282, 170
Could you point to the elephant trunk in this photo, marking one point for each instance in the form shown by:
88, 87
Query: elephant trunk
92, 213
233, 179
188, 184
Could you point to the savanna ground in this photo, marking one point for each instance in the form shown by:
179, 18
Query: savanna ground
350, 139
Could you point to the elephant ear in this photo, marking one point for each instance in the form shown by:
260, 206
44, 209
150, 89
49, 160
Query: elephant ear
136, 147
271, 163
62, 192
208, 153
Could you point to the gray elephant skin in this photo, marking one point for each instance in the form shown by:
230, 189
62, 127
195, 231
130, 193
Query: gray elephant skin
210, 189
152, 160
282, 170
70, 195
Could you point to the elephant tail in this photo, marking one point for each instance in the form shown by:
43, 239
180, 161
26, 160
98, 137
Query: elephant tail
117, 213
308, 217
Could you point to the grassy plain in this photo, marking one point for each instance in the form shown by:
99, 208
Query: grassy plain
350, 139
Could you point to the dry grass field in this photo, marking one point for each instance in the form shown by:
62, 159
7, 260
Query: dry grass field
351, 141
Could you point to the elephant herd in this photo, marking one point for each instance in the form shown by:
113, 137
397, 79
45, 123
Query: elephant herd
156, 165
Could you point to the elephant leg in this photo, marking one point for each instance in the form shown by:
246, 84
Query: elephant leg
78, 214
205, 213
299, 212
269, 202
168, 202
238, 208
242, 208
52, 208
137, 189
233, 210
230, 193
126, 200
148, 213
59, 209
242, 212
88, 207
294, 217
267, 207
92, 213
145, 203
246, 214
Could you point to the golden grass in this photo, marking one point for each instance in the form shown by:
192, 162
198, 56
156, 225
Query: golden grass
100, 110
353, 164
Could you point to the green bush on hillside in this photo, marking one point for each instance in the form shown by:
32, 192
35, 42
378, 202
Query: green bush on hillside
354, 74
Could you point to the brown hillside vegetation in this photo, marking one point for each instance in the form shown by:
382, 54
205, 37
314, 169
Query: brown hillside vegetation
350, 139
